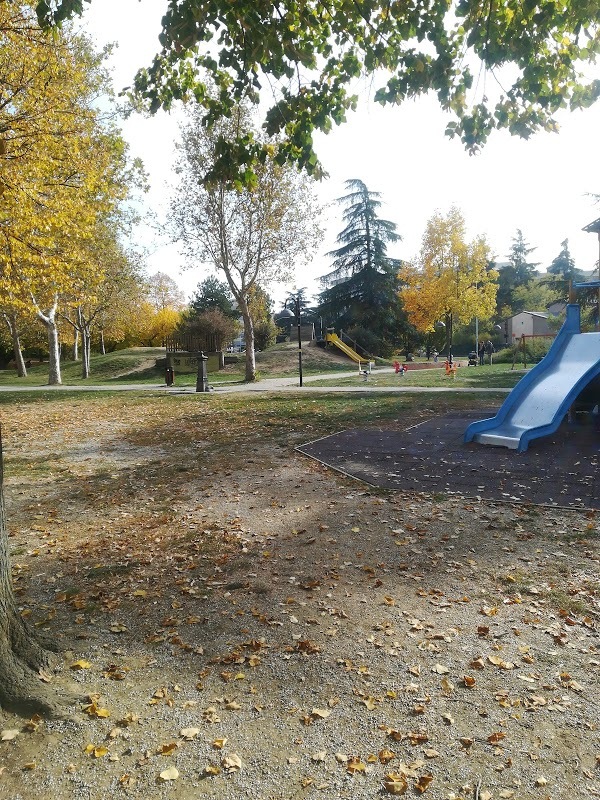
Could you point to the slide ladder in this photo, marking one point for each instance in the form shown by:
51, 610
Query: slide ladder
335, 340
540, 401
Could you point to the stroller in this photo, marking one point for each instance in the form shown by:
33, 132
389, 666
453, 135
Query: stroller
473, 360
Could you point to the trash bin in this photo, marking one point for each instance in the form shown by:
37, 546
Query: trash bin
169, 376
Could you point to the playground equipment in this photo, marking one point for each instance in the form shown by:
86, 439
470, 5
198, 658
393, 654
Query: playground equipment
335, 340
451, 367
542, 398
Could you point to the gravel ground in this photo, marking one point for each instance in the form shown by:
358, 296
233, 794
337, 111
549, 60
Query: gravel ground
276, 631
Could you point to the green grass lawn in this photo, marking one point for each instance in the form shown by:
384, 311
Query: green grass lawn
125, 366
497, 376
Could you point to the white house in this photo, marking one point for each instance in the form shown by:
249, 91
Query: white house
526, 323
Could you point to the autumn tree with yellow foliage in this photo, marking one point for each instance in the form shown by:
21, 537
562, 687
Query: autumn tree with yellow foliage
450, 281
63, 169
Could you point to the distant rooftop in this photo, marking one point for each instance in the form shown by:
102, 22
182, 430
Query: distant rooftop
593, 227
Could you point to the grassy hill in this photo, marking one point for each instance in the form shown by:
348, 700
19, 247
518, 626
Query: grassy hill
146, 365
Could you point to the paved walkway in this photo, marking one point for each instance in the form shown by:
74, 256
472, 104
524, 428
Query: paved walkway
264, 385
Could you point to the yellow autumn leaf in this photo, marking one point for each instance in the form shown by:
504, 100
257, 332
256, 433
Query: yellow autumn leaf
170, 774
219, 744
231, 763
395, 783
8, 735
489, 611
500, 662
92, 710
189, 733
355, 765
423, 782
81, 664
385, 755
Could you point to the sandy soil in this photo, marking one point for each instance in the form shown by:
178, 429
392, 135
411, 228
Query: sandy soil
252, 625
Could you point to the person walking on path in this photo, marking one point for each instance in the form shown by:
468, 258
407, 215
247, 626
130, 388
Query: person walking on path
481, 352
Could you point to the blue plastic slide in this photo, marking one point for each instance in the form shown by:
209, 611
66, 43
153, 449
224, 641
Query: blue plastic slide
539, 402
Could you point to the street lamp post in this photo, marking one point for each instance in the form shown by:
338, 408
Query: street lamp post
297, 311
295, 301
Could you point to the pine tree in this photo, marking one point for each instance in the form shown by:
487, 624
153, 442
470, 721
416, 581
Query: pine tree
361, 289
564, 265
519, 272
212, 293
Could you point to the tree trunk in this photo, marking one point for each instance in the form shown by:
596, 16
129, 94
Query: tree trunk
16, 343
250, 375
75, 344
102, 346
85, 344
85, 353
49, 322
21, 655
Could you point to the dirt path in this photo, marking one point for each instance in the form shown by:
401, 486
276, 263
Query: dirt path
249, 624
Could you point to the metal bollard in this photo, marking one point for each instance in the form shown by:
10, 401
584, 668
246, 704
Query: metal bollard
202, 379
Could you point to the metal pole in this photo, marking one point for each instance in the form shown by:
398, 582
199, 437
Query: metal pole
299, 338
598, 309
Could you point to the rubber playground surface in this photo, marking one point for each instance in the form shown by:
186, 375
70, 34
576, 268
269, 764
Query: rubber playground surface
559, 470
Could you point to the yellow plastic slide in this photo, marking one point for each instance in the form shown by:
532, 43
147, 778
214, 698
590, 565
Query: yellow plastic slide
335, 339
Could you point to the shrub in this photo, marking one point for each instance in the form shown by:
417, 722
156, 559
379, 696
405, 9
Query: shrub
534, 351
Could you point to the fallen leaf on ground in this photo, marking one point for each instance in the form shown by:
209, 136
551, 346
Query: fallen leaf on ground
423, 782
81, 664
395, 784
170, 774
189, 733
232, 763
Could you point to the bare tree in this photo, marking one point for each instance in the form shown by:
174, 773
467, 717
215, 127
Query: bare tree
251, 234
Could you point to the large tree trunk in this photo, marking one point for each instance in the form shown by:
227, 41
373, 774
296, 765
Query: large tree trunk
21, 655
49, 322
16, 343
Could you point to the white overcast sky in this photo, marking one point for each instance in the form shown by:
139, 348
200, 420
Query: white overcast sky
540, 185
